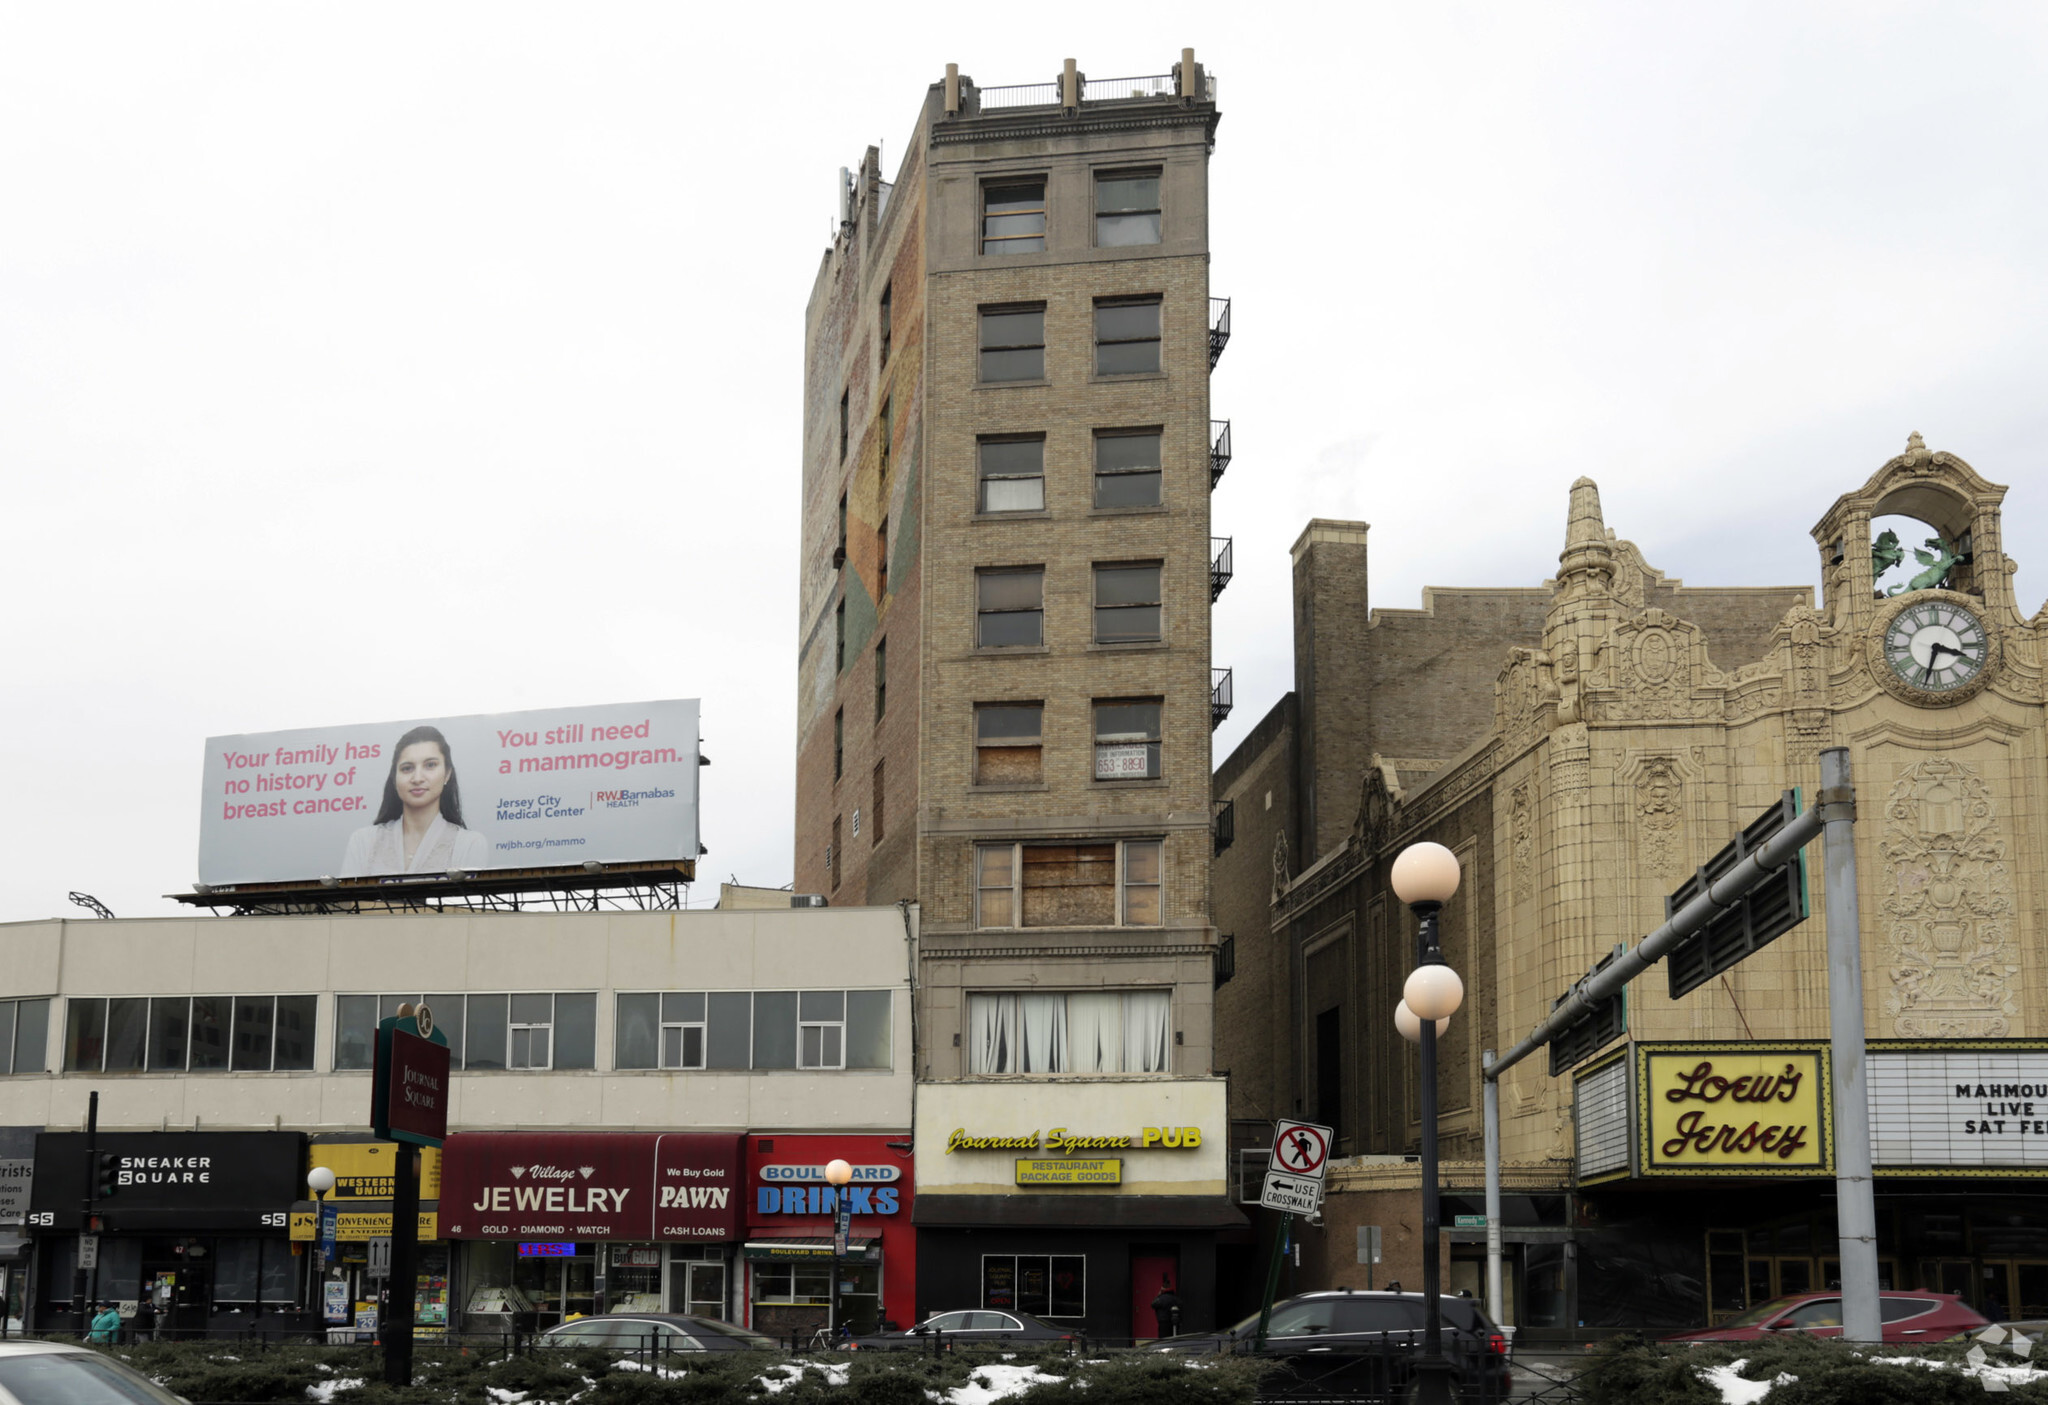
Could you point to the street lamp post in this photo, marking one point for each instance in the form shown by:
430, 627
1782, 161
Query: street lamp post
320, 1180
1424, 877
837, 1175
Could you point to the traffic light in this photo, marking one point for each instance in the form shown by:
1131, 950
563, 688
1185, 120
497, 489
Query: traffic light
107, 1176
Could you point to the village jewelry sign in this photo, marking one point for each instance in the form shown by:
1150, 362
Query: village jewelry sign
1734, 1109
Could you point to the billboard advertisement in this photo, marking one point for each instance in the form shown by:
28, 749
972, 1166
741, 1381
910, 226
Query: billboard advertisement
615, 783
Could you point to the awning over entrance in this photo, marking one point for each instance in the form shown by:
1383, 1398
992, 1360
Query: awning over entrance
1075, 1212
784, 1250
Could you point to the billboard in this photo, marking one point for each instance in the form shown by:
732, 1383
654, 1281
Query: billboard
615, 783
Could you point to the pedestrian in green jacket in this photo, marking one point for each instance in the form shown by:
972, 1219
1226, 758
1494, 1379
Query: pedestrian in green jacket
106, 1326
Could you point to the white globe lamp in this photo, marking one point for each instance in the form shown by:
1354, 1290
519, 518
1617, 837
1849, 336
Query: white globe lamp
838, 1172
1425, 873
1411, 1027
1433, 992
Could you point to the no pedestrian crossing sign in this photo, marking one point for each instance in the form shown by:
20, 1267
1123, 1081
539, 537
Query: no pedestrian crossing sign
1301, 1149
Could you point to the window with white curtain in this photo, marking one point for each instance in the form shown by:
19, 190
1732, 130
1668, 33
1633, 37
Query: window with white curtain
1078, 1031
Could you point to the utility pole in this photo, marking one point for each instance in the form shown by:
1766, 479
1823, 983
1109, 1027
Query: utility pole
80, 1293
1855, 1203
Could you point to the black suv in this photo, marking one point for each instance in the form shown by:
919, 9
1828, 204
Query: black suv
1346, 1342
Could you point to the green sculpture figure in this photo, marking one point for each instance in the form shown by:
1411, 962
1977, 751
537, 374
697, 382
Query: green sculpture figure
1940, 558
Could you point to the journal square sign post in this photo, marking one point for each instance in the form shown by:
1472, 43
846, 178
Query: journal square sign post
1294, 1186
409, 1105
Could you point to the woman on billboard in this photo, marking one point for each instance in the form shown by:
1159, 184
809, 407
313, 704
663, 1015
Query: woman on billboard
419, 825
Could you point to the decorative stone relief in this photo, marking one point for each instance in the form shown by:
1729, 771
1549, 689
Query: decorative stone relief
1571, 760
1660, 817
1376, 806
1654, 667
1281, 876
1522, 836
1948, 909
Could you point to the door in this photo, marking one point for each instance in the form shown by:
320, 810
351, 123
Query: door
704, 1290
1153, 1270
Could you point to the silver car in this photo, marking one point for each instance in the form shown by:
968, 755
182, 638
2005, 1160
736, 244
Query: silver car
53, 1373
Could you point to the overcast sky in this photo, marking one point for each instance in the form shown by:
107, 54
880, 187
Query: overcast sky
365, 362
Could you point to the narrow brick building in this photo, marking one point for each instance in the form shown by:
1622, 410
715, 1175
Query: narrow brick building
1005, 691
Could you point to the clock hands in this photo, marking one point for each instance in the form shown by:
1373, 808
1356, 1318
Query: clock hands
1934, 653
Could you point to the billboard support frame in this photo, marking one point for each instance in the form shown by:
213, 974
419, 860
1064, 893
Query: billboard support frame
633, 887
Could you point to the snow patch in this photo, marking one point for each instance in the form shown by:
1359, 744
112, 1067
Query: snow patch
323, 1391
504, 1396
990, 1383
833, 1372
1737, 1391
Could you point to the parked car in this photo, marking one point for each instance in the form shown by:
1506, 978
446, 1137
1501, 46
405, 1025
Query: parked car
1363, 1342
986, 1327
1907, 1317
55, 1371
661, 1332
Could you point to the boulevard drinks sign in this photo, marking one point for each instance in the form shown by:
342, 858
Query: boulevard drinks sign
1734, 1110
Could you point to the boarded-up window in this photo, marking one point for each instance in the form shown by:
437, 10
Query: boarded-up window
1008, 744
1069, 885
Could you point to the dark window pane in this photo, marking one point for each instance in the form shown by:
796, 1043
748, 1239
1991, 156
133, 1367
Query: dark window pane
634, 1043
1117, 451
209, 1039
447, 1018
1117, 231
280, 1265
1134, 192
483, 1043
1013, 456
775, 1029
1134, 721
254, 1018
1003, 329
295, 1019
1126, 358
1127, 624
355, 1030
1011, 590
1126, 585
816, 1005
682, 1006
693, 1046
532, 1009
1023, 195
85, 1036
235, 1270
867, 1029
7, 1036
1069, 1285
127, 1035
31, 1036
1134, 321
1020, 364
729, 1020
1014, 628
169, 1028
1008, 724
1127, 490
576, 1031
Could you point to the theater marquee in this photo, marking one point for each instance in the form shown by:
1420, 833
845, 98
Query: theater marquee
1734, 1110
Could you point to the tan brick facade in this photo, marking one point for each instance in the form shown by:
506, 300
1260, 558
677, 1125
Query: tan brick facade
926, 244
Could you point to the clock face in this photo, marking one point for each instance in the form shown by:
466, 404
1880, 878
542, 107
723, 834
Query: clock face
1936, 647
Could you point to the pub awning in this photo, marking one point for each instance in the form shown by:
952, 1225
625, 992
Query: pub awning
1075, 1212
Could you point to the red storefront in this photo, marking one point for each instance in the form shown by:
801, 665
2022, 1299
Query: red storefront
788, 1249
560, 1223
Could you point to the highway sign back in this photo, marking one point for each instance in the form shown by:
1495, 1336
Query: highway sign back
1302, 1149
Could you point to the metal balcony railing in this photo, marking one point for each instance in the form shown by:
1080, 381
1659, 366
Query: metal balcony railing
1226, 825
1219, 450
1220, 694
1219, 329
1150, 86
1219, 567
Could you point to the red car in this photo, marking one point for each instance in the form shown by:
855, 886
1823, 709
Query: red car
1907, 1317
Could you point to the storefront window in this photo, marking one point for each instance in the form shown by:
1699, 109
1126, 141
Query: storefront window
1043, 1285
632, 1278
697, 1280
533, 1278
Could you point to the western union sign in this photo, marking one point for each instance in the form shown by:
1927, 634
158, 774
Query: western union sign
1070, 1171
